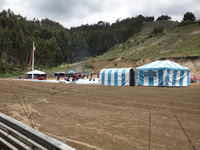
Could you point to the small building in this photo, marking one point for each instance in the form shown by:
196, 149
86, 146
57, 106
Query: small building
163, 73
117, 77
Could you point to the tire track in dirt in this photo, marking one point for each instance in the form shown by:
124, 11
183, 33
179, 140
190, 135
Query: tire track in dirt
184, 131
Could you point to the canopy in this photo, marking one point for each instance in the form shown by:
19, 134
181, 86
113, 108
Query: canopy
117, 77
162, 65
71, 71
36, 72
163, 73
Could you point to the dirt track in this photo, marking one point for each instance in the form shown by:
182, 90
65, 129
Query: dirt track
110, 118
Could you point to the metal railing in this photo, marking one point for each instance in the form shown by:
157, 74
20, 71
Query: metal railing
17, 135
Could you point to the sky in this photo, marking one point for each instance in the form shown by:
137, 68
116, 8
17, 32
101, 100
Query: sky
73, 13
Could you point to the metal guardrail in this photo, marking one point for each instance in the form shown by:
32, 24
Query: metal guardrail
17, 135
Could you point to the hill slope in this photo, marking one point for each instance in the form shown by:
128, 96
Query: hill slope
177, 43
174, 41
180, 44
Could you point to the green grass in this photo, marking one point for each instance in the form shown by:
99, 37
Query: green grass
14, 74
176, 41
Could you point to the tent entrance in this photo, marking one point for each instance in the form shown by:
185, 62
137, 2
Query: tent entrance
132, 77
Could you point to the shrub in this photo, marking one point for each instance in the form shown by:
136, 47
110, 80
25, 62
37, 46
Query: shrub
156, 31
115, 64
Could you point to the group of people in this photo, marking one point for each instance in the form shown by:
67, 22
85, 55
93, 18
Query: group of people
73, 79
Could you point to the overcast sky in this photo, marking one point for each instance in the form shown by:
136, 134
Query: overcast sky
72, 13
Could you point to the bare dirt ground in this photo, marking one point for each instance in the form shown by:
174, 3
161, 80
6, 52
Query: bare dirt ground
94, 117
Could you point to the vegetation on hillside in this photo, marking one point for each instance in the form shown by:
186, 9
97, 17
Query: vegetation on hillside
132, 38
54, 43
159, 42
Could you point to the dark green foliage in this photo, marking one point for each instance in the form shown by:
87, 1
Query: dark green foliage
189, 16
183, 23
149, 19
163, 17
55, 44
156, 31
115, 63
6, 67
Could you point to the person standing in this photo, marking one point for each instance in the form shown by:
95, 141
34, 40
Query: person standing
58, 77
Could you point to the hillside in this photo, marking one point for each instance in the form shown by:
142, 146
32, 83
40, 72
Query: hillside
56, 45
127, 43
177, 43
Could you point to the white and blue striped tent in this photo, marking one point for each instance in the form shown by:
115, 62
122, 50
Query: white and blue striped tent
117, 77
163, 73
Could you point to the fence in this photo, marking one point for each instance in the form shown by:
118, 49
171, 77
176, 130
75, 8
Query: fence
17, 135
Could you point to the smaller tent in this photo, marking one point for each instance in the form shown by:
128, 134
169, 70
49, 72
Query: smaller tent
36, 74
117, 77
71, 72
163, 73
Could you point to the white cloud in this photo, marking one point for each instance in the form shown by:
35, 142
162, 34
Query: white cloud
77, 12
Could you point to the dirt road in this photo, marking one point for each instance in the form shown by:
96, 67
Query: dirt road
108, 118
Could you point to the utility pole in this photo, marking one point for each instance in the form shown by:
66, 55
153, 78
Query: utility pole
33, 59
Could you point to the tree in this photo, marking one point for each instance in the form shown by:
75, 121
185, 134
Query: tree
189, 16
163, 17
56, 44
149, 19
156, 31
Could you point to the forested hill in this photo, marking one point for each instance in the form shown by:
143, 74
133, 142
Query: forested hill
54, 43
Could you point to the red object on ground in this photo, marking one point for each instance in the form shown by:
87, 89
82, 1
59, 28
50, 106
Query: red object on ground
193, 78
40, 78
75, 75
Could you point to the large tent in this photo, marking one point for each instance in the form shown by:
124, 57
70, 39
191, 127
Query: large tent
117, 77
163, 73
36, 74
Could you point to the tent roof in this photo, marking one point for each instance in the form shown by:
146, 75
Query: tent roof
116, 69
164, 64
71, 71
36, 72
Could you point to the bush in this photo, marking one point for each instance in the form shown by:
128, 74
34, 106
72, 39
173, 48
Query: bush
184, 23
156, 31
115, 64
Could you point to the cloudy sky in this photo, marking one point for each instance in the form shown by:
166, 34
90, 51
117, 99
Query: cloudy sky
72, 13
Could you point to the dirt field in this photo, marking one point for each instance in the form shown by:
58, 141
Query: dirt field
94, 117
